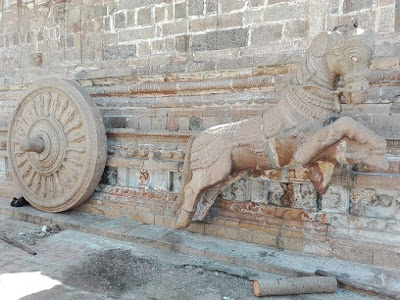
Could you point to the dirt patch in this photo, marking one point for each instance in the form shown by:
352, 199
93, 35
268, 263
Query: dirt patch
112, 272
118, 274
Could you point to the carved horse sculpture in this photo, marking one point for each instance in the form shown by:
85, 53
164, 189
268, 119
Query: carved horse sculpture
291, 132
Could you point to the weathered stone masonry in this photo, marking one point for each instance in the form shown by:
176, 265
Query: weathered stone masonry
118, 49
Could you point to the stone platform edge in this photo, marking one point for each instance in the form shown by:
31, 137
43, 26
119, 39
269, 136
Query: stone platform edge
353, 276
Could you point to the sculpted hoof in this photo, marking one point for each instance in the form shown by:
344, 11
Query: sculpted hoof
184, 219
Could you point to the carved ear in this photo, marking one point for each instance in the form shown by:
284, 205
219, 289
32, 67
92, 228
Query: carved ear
319, 44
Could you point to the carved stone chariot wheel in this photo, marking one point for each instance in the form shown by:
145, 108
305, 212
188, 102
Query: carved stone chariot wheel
56, 145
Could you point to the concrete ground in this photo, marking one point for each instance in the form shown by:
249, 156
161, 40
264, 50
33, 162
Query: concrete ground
82, 261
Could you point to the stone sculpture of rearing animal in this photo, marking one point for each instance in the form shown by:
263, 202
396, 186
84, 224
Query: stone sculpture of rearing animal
291, 132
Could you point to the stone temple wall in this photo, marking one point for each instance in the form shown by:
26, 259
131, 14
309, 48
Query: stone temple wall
162, 70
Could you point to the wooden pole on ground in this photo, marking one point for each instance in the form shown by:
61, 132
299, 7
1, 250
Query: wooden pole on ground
294, 286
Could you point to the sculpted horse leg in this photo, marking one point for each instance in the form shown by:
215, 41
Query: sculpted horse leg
345, 141
201, 180
208, 197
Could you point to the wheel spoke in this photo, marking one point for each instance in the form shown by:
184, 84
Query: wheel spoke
68, 124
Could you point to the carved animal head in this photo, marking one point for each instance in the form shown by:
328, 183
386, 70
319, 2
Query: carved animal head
347, 55
352, 55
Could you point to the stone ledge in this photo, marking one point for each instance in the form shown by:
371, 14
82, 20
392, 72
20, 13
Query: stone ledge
285, 263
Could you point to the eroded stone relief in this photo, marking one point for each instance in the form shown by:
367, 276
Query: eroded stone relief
304, 128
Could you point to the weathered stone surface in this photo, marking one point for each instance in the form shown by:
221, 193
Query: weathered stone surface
231, 5
266, 34
180, 10
119, 52
120, 20
195, 7
285, 11
356, 5
296, 29
218, 40
144, 16
336, 200
375, 203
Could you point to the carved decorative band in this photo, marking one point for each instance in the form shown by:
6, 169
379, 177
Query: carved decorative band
181, 87
376, 76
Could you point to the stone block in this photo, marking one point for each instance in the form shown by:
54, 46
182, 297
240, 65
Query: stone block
132, 122
133, 4
228, 6
144, 49
336, 200
210, 122
258, 190
70, 41
180, 10
133, 178
256, 3
178, 27
107, 23
130, 18
182, 43
297, 29
253, 17
108, 39
131, 35
159, 123
211, 6
157, 47
122, 176
356, 5
272, 2
195, 7
169, 44
184, 123
116, 122
144, 123
195, 124
231, 20
203, 24
176, 179
119, 52
285, 11
265, 34
397, 18
291, 244
3, 164
120, 20
375, 203
144, 17
385, 19
172, 124
275, 192
160, 180
159, 14
383, 125
304, 195
385, 63
238, 191
218, 40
